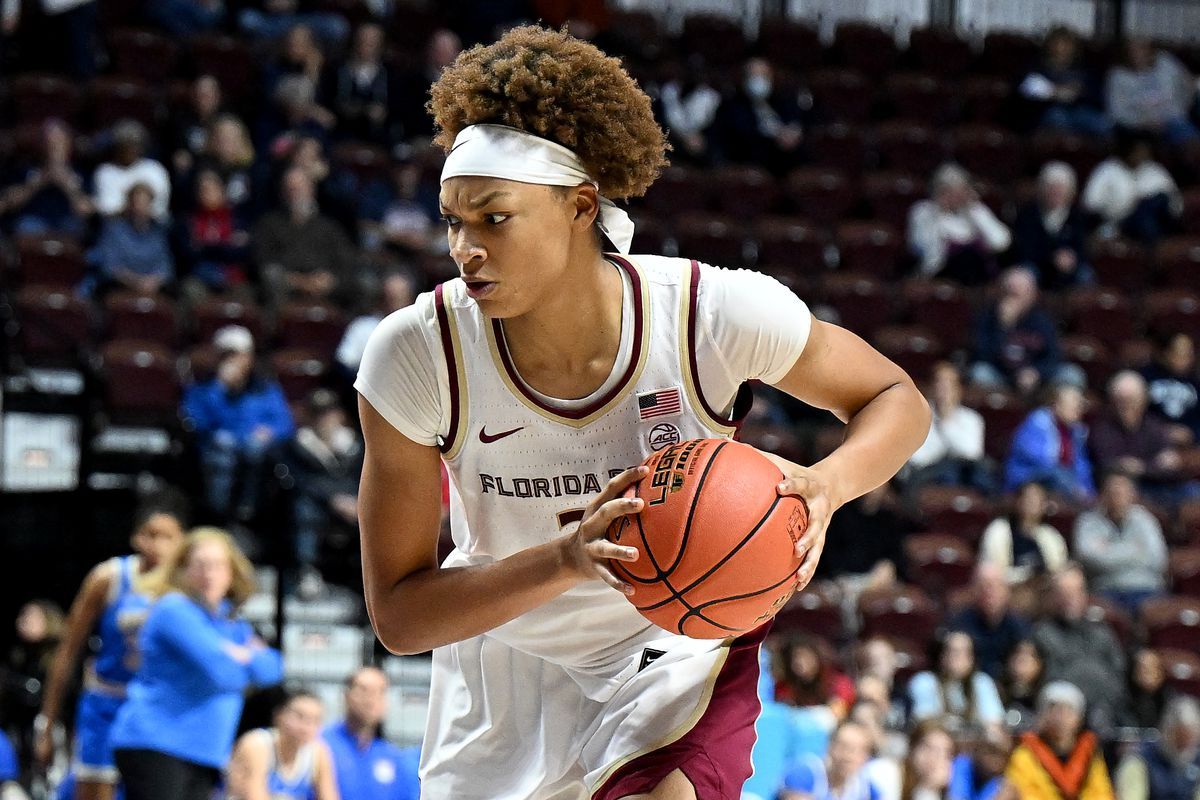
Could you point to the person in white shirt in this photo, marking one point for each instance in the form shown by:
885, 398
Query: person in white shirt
130, 166
1131, 193
397, 291
953, 234
1152, 92
689, 108
953, 452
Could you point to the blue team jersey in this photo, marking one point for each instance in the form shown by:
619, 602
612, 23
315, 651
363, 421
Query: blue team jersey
119, 625
301, 783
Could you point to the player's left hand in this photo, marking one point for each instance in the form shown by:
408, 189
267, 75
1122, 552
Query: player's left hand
815, 490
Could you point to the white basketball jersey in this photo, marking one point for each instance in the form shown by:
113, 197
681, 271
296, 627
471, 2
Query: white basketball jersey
522, 472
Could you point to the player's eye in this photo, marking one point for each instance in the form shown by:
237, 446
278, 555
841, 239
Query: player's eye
450, 219
496, 219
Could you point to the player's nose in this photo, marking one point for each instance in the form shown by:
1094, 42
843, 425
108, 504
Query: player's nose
468, 254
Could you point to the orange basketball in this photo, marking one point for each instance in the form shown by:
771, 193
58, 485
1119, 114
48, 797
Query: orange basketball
715, 541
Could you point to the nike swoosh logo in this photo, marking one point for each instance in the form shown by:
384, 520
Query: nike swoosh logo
488, 438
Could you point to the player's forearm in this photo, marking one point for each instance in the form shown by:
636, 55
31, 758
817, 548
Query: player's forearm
880, 438
435, 607
65, 657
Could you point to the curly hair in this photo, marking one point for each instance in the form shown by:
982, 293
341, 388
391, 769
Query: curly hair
560, 88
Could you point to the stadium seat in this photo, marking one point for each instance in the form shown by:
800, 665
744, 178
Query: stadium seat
1121, 264
1008, 54
838, 146
743, 192
814, 610
820, 195
909, 147
922, 97
141, 382
718, 36
217, 312
915, 348
1188, 516
1179, 262
889, 196
863, 302
902, 611
366, 162
1182, 670
870, 248
1172, 622
988, 152
1185, 571
1081, 152
54, 323
142, 54
1172, 311
713, 239
1191, 211
939, 51
114, 98
227, 59
955, 510
1091, 355
139, 316
1102, 312
1002, 413
789, 44
865, 47
38, 97
985, 99
1134, 353
299, 372
843, 95
316, 326
678, 190
911, 657
787, 245
649, 235
939, 562
50, 261
941, 306
1101, 609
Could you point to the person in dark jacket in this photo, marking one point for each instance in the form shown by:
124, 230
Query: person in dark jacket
761, 123
1171, 382
1050, 232
1167, 768
1060, 93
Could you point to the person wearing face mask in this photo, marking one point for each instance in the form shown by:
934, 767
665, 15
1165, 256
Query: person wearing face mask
289, 761
688, 105
761, 123
1167, 769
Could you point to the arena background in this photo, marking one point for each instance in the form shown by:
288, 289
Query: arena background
889, 90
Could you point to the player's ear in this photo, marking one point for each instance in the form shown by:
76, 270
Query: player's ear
587, 204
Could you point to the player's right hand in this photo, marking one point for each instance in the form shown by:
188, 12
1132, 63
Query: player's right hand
588, 551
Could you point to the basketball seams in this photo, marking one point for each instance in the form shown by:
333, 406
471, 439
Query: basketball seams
687, 527
697, 611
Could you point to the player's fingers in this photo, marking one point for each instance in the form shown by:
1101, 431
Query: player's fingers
808, 568
616, 485
612, 580
608, 512
796, 486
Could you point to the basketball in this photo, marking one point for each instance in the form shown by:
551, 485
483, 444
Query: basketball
715, 541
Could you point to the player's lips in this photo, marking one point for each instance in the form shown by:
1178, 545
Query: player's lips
478, 289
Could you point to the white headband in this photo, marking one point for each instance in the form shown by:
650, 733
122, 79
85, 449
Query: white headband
498, 151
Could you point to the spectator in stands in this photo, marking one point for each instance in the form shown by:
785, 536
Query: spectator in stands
1152, 93
875, 680
1172, 386
229, 152
57, 35
1039, 765
953, 451
175, 732
955, 691
299, 54
953, 235
1024, 673
401, 214
994, 628
1148, 691
1138, 444
1050, 233
299, 251
366, 765
838, 776
397, 290
130, 166
289, 759
325, 457
1062, 93
215, 243
274, 19
809, 679
1050, 447
930, 758
361, 89
39, 629
133, 251
1121, 545
1081, 650
865, 544
978, 773
1016, 343
1130, 193
888, 749
190, 128
293, 115
688, 107
50, 197
1167, 768
761, 123
184, 19
239, 418
443, 47
1021, 544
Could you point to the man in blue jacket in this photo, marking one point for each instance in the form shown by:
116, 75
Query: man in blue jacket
367, 766
239, 417
1050, 448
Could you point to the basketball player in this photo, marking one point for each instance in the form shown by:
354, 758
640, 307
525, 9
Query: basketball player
555, 362
110, 606
290, 760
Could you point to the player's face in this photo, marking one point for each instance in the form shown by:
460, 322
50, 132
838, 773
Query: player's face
300, 720
157, 539
366, 697
209, 572
510, 240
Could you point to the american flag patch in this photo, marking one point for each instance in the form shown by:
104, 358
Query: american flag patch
662, 403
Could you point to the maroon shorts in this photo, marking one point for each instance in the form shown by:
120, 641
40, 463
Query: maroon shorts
715, 754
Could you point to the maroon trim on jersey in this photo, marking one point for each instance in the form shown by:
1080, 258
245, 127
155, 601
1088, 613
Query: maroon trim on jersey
439, 303
638, 311
715, 754
743, 399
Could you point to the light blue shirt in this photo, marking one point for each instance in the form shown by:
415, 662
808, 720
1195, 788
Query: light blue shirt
927, 699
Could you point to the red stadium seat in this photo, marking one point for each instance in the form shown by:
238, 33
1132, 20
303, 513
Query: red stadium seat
678, 190
911, 657
1091, 354
216, 312
145, 55
1171, 311
914, 348
815, 610
227, 59
939, 51
717, 240
820, 195
1121, 264
789, 44
902, 611
871, 248
1179, 262
141, 382
1102, 312
142, 317
1081, 152
941, 306
909, 147
55, 324
890, 195
1172, 622
842, 94
985, 99
1182, 670
1188, 515
649, 235
1191, 212
744, 192
365, 161
1185, 571
863, 302
718, 36
315, 326
865, 47
989, 152
939, 562
1008, 54
922, 97
50, 261
838, 146
1002, 414
787, 245
38, 97
299, 372
114, 99
955, 510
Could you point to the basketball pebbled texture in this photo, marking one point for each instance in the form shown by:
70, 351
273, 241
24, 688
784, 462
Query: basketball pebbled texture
715, 541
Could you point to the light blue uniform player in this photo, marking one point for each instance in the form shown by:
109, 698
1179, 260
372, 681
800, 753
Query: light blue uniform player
110, 608
289, 761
